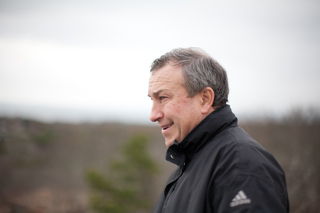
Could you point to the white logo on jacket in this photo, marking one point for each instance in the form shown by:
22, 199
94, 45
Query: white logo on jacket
240, 199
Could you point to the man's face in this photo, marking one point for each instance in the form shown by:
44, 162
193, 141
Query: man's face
176, 113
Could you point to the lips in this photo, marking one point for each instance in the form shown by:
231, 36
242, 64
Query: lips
166, 127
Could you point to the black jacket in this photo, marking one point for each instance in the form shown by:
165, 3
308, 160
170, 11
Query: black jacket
222, 169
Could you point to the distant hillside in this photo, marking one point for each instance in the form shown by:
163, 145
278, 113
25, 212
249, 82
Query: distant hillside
42, 165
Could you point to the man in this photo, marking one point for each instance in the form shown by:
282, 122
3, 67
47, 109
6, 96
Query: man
220, 167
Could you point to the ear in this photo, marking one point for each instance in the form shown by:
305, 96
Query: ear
207, 98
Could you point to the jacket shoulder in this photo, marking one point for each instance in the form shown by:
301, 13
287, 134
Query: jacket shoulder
237, 153
243, 165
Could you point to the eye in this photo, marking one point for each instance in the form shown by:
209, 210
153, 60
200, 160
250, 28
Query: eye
162, 98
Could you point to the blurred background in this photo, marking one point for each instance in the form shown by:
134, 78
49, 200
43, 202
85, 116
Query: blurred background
74, 80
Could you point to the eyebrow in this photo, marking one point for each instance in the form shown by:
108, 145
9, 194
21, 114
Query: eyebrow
156, 93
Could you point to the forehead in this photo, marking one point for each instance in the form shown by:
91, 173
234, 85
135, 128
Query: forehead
168, 77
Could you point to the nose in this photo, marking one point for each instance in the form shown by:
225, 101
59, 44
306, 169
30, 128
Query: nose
156, 112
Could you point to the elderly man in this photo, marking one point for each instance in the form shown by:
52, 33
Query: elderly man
220, 167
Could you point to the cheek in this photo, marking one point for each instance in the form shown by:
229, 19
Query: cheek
189, 115
182, 105
186, 108
172, 110
182, 115
180, 111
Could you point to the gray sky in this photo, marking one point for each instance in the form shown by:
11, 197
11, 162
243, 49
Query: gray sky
93, 57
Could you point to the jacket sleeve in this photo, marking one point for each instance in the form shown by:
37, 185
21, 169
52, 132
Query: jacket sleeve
248, 193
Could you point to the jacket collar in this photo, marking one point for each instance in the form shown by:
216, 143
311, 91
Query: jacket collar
179, 153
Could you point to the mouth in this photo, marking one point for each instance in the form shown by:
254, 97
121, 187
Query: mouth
166, 127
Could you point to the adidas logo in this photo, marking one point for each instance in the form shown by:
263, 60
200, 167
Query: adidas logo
240, 199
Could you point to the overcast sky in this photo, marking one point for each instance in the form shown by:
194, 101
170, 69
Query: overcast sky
93, 57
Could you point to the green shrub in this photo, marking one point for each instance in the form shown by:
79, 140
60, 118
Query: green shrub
126, 187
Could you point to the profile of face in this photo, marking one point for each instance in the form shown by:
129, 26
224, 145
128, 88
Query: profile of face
176, 113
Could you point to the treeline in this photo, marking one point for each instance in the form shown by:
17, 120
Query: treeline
57, 167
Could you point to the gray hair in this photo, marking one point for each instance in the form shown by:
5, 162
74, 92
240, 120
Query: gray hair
199, 70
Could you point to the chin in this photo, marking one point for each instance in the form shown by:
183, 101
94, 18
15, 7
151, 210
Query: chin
168, 143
